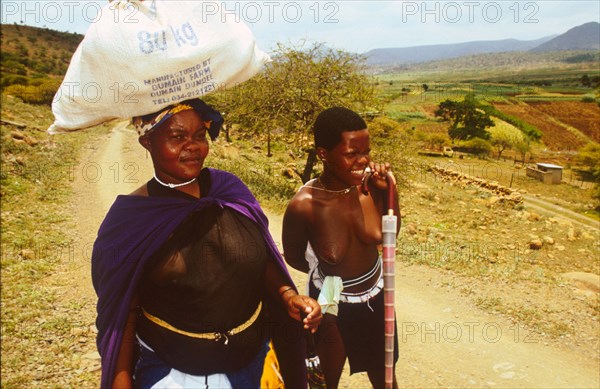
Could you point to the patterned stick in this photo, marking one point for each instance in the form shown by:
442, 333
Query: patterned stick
389, 223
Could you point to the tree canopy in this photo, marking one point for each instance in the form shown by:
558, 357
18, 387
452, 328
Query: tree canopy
294, 88
467, 120
505, 136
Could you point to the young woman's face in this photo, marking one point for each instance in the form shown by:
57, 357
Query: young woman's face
178, 147
349, 158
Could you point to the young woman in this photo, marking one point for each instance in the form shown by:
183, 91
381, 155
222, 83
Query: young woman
331, 230
190, 283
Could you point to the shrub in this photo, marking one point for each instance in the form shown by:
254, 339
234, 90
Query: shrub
12, 79
14, 67
477, 146
383, 127
35, 94
589, 157
437, 141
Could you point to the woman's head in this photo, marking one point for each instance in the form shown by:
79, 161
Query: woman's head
343, 144
176, 139
332, 122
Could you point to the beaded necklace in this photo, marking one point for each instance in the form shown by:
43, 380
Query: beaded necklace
169, 185
340, 192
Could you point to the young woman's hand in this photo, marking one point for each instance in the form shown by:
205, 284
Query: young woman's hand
379, 172
305, 309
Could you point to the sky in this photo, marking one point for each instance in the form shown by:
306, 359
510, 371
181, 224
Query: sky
355, 26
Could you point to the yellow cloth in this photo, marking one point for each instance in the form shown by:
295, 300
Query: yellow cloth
330, 295
271, 378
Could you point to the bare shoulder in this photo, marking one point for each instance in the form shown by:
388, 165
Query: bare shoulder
302, 201
141, 191
296, 219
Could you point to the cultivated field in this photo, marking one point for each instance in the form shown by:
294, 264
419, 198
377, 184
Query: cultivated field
555, 134
584, 117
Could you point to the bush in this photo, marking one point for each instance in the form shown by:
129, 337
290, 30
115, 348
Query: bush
477, 146
44, 67
383, 127
35, 94
589, 158
14, 67
437, 141
12, 79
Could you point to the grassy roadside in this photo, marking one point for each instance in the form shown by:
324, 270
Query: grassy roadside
36, 185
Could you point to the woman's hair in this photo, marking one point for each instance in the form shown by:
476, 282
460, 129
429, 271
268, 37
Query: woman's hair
332, 122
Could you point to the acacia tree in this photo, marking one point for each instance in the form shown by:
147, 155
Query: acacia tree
294, 88
522, 146
589, 157
467, 120
505, 136
501, 142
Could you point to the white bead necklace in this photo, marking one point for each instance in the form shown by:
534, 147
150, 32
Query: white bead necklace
169, 185
340, 192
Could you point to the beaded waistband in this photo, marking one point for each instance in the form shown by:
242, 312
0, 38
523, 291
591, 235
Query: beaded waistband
317, 278
207, 335
360, 279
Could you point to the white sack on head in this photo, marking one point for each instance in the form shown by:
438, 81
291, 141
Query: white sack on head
141, 56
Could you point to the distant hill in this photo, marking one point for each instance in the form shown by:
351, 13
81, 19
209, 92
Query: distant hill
30, 53
407, 55
508, 67
584, 37
33, 61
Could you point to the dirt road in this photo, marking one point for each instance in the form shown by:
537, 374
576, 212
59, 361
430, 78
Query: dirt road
445, 340
559, 212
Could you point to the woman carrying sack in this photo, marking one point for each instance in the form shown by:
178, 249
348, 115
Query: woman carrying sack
190, 284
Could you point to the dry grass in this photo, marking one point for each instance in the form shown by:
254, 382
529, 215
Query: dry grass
38, 344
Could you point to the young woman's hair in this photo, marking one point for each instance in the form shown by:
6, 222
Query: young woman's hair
332, 122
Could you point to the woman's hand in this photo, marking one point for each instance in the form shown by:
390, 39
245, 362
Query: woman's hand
300, 307
379, 172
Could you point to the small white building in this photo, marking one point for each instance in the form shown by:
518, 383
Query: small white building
546, 172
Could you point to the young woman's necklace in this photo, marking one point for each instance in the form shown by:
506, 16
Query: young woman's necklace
169, 185
341, 191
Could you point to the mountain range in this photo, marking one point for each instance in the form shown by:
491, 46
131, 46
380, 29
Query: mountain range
583, 37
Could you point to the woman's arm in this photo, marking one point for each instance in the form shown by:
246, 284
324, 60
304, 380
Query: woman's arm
280, 289
124, 367
295, 237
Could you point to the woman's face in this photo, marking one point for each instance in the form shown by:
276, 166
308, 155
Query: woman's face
349, 158
178, 147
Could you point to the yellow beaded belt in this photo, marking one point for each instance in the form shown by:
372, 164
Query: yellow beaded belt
207, 335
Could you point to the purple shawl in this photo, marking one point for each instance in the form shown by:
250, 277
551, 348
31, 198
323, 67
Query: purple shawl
134, 229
